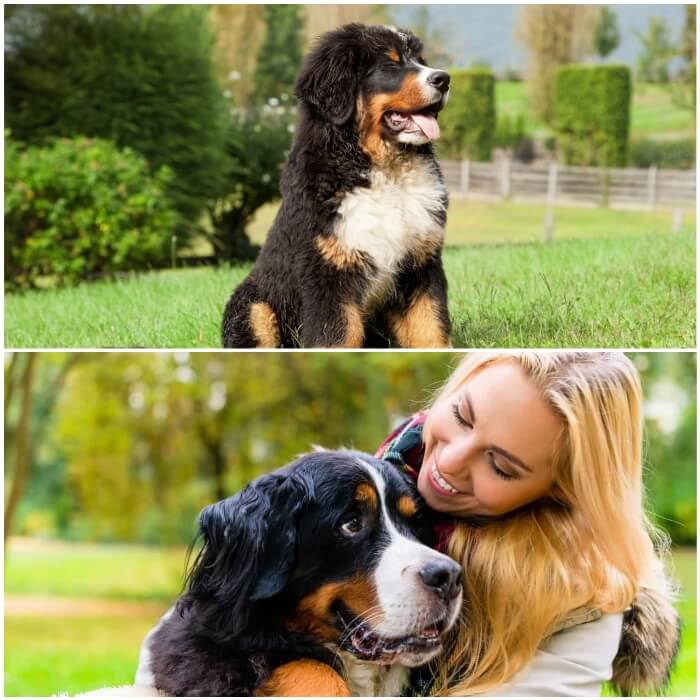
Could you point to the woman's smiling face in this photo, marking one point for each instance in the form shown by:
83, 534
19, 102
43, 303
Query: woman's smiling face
489, 446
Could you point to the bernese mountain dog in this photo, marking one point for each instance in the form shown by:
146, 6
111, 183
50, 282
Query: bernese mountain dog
314, 580
353, 257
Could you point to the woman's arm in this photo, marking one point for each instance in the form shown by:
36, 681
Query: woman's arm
572, 663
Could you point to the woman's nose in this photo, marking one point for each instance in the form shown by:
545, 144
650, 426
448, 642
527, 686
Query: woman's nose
456, 458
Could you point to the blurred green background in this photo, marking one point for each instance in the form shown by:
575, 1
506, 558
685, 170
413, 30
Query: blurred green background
110, 456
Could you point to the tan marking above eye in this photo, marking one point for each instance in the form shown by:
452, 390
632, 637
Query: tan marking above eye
365, 493
406, 506
394, 55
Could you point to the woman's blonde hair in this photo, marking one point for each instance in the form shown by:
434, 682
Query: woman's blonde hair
589, 545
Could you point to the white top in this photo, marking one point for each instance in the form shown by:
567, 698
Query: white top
572, 663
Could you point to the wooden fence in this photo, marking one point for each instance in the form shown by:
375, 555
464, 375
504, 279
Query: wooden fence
630, 187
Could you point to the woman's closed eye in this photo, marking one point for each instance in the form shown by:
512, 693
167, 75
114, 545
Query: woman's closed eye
500, 473
460, 418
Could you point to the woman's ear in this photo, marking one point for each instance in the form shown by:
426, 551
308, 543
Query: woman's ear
248, 552
329, 78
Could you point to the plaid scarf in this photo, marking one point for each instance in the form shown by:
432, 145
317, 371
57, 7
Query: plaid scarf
404, 448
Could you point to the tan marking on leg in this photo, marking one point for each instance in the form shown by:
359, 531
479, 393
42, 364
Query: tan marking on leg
337, 255
304, 677
354, 327
263, 323
427, 248
406, 506
420, 327
366, 493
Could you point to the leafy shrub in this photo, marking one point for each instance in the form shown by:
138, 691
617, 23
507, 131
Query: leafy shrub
679, 155
468, 123
82, 207
141, 76
512, 134
257, 145
592, 114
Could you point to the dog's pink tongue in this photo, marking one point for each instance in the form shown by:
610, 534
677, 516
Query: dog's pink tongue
428, 125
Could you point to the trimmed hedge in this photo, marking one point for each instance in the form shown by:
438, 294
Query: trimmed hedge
468, 123
592, 114
80, 208
675, 155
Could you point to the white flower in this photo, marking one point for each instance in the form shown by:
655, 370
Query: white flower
266, 178
227, 93
284, 96
290, 128
234, 75
273, 102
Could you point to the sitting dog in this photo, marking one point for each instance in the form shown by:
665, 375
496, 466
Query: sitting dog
354, 255
311, 581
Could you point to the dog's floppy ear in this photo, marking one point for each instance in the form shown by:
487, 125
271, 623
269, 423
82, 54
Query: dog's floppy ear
330, 76
248, 551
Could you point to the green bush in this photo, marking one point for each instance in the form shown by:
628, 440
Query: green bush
592, 114
511, 134
82, 207
257, 145
678, 155
138, 75
468, 123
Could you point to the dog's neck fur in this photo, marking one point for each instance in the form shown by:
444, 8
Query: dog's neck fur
365, 679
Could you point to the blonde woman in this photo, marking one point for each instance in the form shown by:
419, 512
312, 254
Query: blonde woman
535, 458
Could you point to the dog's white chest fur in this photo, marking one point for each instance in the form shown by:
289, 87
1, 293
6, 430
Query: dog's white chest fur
392, 217
365, 679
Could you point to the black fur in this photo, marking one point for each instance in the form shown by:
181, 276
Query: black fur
264, 550
327, 162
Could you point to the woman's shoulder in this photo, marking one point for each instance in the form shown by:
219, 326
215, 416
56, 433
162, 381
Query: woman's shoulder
574, 662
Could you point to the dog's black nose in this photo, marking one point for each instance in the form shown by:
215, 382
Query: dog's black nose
440, 80
444, 577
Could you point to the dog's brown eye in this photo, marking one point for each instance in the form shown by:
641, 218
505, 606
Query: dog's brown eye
352, 526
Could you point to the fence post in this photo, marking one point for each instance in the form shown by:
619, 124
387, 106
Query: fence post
651, 186
551, 200
505, 177
464, 178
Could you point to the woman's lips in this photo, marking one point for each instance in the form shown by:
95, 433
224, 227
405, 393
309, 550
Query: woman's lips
439, 483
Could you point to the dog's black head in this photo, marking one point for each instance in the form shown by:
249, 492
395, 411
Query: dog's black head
326, 549
377, 77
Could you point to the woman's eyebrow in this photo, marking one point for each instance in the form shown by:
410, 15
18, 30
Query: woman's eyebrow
510, 457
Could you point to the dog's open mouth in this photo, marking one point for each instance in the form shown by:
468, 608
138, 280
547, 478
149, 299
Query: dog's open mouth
420, 122
360, 640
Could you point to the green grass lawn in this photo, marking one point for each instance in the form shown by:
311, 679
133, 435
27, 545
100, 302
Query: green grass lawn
612, 279
654, 114
72, 653
94, 570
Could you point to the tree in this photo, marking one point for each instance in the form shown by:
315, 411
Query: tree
319, 19
257, 146
684, 93
553, 35
657, 52
138, 75
239, 31
25, 433
607, 34
438, 40
279, 58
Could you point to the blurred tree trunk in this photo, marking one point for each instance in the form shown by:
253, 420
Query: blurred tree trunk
240, 30
553, 35
322, 18
35, 412
21, 443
